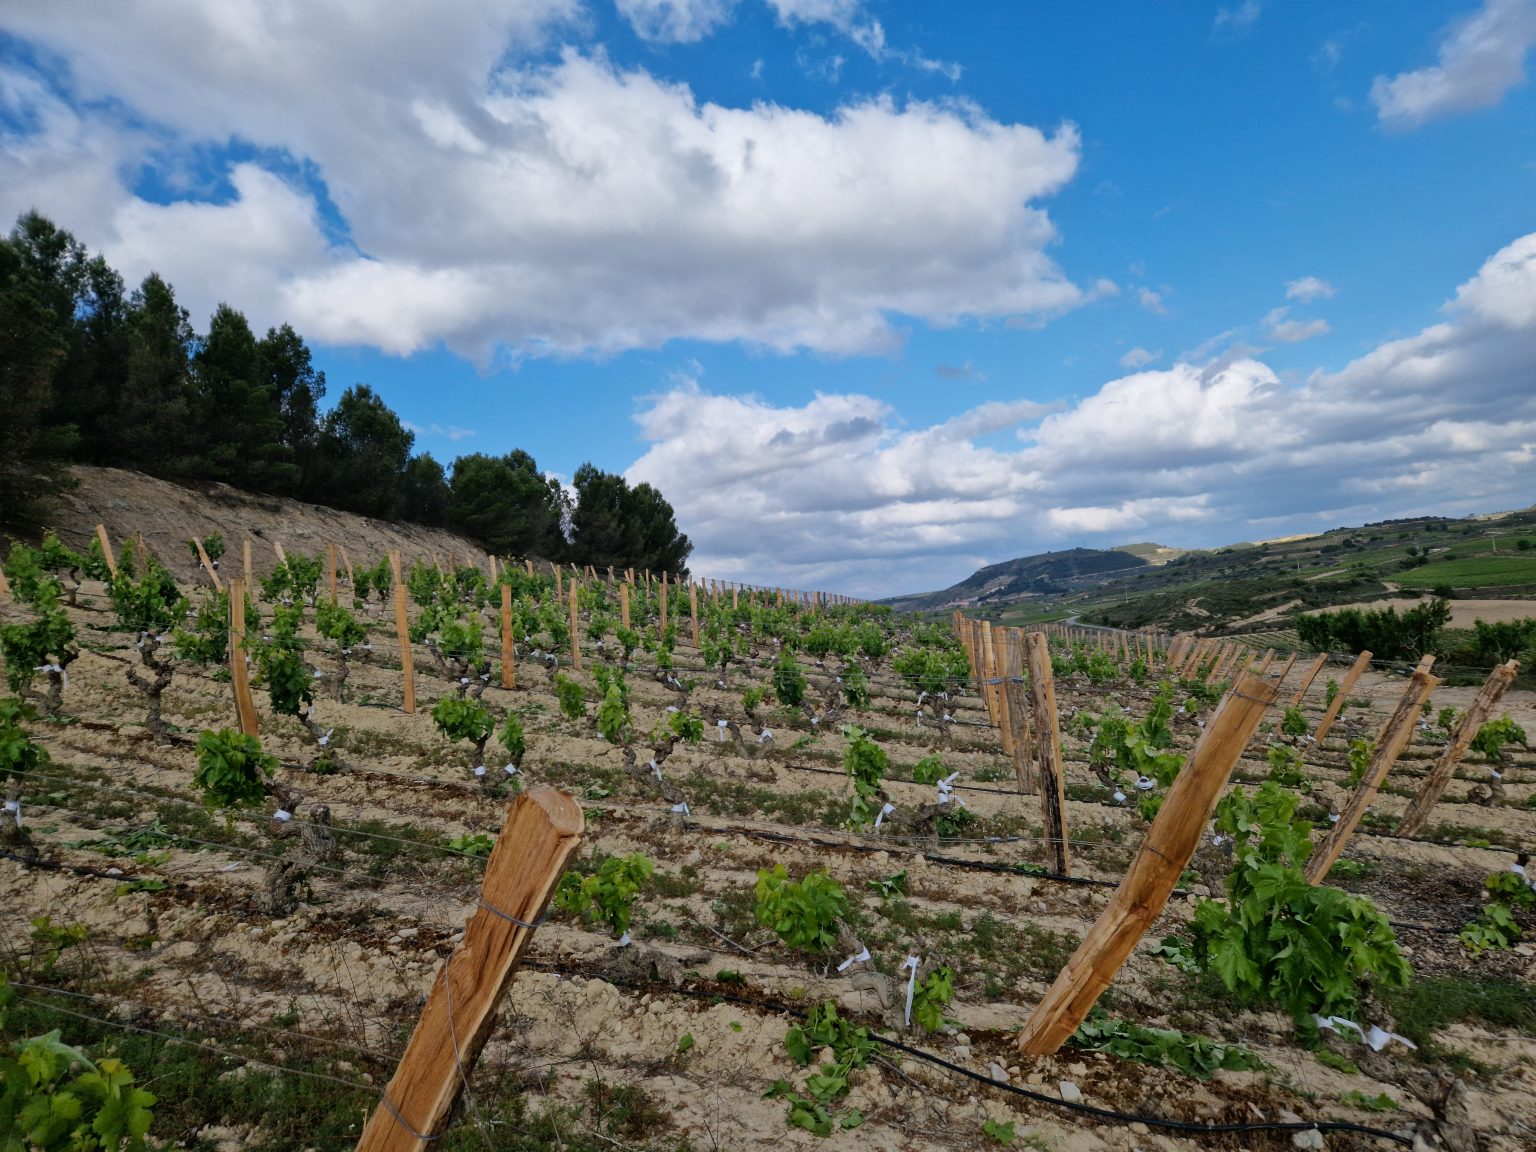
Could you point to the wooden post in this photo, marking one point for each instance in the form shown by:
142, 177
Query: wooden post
403, 633
213, 573
542, 831
1285, 671
508, 653
282, 557
346, 562
239, 676
5, 585
1143, 893
330, 569
693, 610
624, 604
1362, 662
996, 640
575, 619
1306, 681
1440, 775
106, 549
490, 566
989, 692
1016, 697
1053, 784
733, 598
559, 586
661, 629
1394, 739
245, 550
529, 563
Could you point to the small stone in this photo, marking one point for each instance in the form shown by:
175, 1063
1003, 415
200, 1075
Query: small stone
1070, 1092
962, 1038
1077, 1069
1138, 1128
1311, 1138
1013, 1070
962, 1051
1289, 1117
1035, 1078
997, 1072
409, 933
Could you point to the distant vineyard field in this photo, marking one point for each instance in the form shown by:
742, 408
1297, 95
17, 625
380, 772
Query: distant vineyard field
1485, 571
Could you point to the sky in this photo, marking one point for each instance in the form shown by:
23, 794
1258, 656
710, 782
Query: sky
875, 293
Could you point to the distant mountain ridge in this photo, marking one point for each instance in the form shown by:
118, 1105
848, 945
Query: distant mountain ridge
1041, 574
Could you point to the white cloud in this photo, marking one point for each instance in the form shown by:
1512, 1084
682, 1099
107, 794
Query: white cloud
1278, 327
1308, 288
840, 492
849, 18
1481, 57
1151, 301
1139, 357
566, 208
674, 21
1244, 16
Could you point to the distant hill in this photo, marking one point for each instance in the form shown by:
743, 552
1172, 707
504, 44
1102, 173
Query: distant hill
1046, 574
1154, 554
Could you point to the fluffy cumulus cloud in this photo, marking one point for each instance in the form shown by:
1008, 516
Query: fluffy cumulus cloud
1481, 57
840, 492
418, 179
1309, 288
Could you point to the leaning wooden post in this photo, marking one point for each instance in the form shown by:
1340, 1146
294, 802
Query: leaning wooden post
1306, 680
1394, 738
693, 610
330, 569
202, 558
1362, 662
541, 833
508, 653
403, 633
1440, 775
106, 549
282, 557
1150, 880
624, 605
574, 620
1053, 784
239, 675
346, 562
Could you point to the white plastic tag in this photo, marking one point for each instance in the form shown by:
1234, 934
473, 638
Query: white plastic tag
764, 736
326, 739
510, 769
1119, 796
884, 812
624, 940
911, 962
282, 816
14, 806
1145, 783
681, 809
858, 958
480, 770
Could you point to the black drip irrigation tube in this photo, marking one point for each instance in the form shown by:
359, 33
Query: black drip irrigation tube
1038, 1097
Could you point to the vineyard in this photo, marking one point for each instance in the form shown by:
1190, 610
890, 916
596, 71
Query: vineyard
834, 863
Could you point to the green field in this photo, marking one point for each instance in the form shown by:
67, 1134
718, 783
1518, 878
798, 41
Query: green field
1482, 571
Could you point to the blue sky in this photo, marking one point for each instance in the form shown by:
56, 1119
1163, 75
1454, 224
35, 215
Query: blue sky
874, 292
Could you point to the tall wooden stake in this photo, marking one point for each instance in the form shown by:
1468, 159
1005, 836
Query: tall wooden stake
693, 610
1306, 680
330, 569
508, 653
245, 550
1053, 783
1362, 662
1143, 893
624, 604
403, 633
239, 675
1440, 775
542, 831
575, 633
661, 629
106, 549
213, 573
1394, 738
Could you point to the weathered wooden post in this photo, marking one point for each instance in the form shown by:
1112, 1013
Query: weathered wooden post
1394, 738
1362, 662
575, 619
1150, 880
1440, 775
203, 559
106, 549
693, 610
245, 550
1053, 784
542, 831
624, 604
508, 653
1306, 680
403, 633
661, 628
239, 675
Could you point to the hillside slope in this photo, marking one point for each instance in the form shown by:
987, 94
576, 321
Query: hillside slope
1046, 573
171, 514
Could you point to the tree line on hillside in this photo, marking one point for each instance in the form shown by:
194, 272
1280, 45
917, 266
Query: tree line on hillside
92, 373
